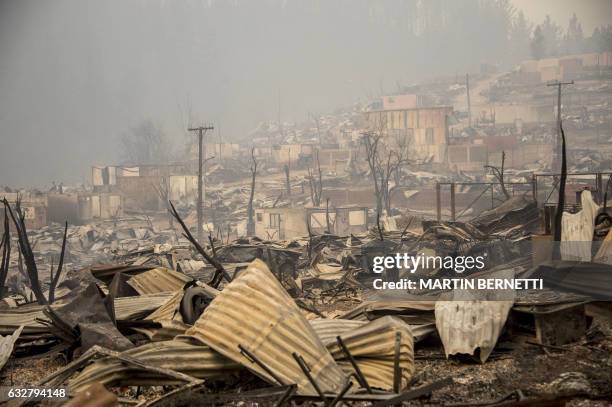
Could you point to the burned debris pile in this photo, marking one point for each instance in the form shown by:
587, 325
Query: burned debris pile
271, 321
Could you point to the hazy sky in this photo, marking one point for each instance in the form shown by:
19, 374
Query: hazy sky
77, 74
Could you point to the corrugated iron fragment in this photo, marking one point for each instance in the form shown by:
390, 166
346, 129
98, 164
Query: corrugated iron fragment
474, 319
373, 347
465, 326
256, 312
6, 346
159, 280
182, 354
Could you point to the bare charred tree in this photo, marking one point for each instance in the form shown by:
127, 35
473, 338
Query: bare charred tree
251, 220
287, 180
5, 245
26, 249
220, 271
384, 164
371, 142
145, 144
391, 167
498, 173
60, 265
327, 221
316, 184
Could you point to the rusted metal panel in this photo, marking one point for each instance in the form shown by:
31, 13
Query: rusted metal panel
182, 355
373, 347
138, 307
126, 308
13, 318
256, 312
169, 317
158, 280
328, 329
6, 346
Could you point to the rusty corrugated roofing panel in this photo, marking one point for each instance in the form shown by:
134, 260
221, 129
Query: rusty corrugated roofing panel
158, 280
6, 346
125, 308
182, 355
255, 311
169, 317
328, 329
26, 315
373, 347
140, 306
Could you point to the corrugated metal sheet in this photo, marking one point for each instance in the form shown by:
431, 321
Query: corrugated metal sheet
328, 329
26, 315
373, 347
465, 326
6, 346
255, 311
158, 280
139, 307
125, 308
169, 317
604, 254
474, 318
414, 312
577, 230
182, 355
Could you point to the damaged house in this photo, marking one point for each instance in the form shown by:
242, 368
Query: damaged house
290, 223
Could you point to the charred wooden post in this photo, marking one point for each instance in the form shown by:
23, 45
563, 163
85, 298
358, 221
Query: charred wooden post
397, 369
219, 269
302, 364
60, 265
380, 233
452, 201
287, 180
499, 175
253, 359
251, 220
438, 203
363, 382
201, 133
5, 245
327, 221
561, 199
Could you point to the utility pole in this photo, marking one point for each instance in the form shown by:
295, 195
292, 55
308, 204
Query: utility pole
201, 132
469, 105
558, 84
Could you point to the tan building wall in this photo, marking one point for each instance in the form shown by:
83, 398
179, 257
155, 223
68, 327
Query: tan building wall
425, 130
34, 206
291, 223
80, 208
290, 153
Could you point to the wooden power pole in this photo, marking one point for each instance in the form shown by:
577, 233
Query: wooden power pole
469, 105
558, 84
201, 133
